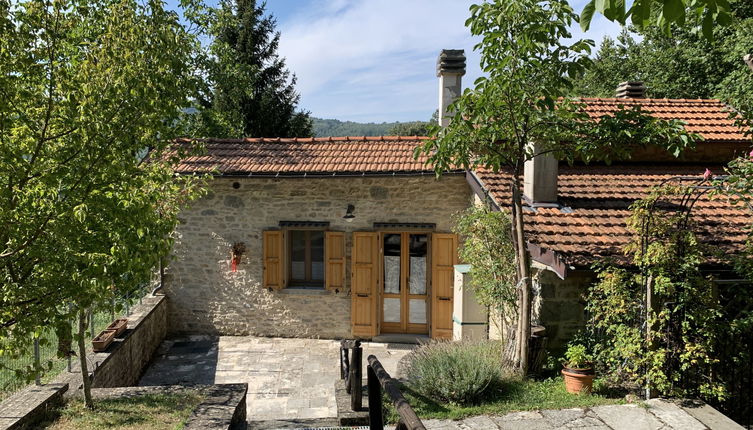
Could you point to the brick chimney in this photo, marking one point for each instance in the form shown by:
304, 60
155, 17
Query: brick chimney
450, 70
631, 90
540, 178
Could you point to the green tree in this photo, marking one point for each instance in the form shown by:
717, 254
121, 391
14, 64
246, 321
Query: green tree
510, 115
415, 128
87, 86
487, 243
248, 91
662, 14
683, 65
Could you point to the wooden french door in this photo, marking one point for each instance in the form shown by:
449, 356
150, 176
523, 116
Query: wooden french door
405, 271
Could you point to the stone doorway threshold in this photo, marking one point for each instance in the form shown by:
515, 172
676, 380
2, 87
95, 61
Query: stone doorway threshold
411, 339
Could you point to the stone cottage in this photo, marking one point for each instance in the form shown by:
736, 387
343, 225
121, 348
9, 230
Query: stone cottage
342, 237
576, 215
352, 237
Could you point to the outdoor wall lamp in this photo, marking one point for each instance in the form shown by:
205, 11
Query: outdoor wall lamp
349, 216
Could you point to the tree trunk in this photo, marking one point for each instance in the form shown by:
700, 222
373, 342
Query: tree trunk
82, 359
513, 329
524, 271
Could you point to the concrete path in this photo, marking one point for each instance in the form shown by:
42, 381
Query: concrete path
654, 414
290, 381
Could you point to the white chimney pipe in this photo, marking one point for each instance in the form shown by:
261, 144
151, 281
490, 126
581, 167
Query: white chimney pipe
450, 70
540, 178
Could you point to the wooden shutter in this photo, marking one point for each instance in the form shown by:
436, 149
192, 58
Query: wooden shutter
444, 251
364, 274
274, 261
334, 256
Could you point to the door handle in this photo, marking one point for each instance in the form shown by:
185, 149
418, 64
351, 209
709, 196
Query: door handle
444, 299
362, 295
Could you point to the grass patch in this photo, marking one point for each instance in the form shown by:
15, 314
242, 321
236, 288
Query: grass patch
147, 412
510, 395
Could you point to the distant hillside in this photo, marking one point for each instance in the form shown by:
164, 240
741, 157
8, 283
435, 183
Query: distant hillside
335, 127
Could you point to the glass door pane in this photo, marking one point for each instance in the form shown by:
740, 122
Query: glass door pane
418, 250
392, 264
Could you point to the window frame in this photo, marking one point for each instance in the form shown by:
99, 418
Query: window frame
307, 283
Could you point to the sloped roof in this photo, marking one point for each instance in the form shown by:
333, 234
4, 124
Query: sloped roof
595, 200
314, 156
709, 118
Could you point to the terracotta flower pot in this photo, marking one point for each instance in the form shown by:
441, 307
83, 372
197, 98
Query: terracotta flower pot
119, 325
103, 340
578, 381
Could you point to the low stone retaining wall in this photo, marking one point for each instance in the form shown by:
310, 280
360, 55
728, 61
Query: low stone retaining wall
25, 407
121, 365
223, 407
125, 360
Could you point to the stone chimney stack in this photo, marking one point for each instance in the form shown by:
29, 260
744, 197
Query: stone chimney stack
450, 70
631, 90
540, 178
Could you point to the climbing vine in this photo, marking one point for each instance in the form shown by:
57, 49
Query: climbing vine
488, 244
656, 327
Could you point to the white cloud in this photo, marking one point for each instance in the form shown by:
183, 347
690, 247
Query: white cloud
375, 60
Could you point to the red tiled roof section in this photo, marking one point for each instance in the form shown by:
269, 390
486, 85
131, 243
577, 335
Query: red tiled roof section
327, 155
600, 197
709, 118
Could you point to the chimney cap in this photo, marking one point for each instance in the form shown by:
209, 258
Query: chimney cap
631, 90
451, 62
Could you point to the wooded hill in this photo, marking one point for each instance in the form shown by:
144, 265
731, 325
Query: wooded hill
335, 127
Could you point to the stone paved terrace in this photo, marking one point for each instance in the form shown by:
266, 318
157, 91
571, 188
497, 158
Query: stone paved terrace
290, 381
291, 385
652, 415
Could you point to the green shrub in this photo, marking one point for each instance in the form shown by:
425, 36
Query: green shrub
455, 372
577, 357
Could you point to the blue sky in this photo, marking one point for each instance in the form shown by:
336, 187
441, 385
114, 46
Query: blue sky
374, 60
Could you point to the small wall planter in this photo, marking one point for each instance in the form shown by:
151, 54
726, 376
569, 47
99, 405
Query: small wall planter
103, 340
578, 381
119, 325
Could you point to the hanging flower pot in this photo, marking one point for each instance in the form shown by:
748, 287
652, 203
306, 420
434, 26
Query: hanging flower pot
103, 340
239, 248
119, 325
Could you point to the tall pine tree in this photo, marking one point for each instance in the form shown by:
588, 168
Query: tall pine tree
248, 89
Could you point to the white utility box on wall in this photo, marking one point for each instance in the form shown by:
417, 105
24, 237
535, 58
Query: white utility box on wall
469, 318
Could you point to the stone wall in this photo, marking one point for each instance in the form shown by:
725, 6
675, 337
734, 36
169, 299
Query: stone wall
125, 360
206, 297
559, 304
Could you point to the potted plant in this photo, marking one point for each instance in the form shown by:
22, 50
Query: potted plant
119, 325
578, 370
103, 340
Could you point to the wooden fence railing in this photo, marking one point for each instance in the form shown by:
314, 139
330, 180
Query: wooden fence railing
378, 381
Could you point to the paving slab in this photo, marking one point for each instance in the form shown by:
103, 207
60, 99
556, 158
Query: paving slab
627, 417
673, 416
441, 424
709, 416
481, 422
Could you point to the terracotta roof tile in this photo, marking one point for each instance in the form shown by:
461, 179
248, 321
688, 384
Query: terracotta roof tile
600, 197
709, 118
329, 155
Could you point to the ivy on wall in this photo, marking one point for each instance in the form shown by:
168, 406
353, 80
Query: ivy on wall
488, 245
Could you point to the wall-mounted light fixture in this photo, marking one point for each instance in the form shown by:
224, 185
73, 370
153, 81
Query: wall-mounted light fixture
349, 216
